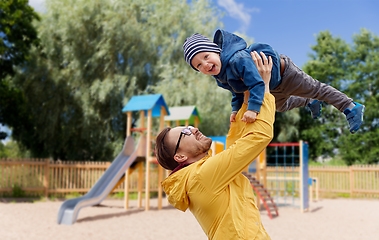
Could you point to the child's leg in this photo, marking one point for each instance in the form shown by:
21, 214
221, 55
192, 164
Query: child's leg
296, 82
285, 103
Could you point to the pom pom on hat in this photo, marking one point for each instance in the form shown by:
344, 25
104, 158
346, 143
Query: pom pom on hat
198, 43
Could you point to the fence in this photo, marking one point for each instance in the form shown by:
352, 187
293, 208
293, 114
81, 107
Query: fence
42, 177
353, 181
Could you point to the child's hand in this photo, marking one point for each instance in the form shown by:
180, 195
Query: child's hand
233, 117
249, 116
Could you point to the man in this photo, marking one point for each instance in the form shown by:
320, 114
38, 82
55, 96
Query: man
213, 188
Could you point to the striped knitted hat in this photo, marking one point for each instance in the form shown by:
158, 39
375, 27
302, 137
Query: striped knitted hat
198, 43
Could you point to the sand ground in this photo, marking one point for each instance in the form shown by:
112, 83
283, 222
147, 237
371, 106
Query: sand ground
343, 219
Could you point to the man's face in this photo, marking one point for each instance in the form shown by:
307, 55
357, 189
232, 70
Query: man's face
208, 63
190, 145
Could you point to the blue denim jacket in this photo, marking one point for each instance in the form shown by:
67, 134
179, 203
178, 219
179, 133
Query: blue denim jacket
238, 71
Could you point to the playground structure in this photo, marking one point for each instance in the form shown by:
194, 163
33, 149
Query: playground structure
282, 182
287, 175
141, 157
152, 106
148, 106
128, 160
183, 116
69, 210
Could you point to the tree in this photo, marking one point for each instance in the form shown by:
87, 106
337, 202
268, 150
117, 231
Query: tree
17, 35
364, 88
354, 71
94, 56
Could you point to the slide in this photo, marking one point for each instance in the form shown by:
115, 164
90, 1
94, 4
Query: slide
69, 209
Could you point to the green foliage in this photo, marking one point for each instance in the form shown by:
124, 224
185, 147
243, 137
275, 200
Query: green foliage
17, 35
73, 195
336, 161
3, 152
353, 69
17, 191
13, 150
94, 56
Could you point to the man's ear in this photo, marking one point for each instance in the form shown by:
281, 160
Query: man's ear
180, 158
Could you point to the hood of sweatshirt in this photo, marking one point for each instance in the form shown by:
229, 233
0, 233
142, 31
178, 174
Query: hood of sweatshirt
175, 187
229, 44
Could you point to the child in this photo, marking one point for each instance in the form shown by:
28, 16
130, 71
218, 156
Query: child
228, 60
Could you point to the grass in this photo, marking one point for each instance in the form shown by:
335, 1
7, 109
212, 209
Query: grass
336, 161
132, 195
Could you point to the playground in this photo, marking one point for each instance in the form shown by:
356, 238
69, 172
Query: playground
327, 219
153, 218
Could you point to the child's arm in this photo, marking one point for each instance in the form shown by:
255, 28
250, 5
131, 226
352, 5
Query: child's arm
264, 68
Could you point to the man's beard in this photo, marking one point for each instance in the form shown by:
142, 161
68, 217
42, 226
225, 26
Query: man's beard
203, 148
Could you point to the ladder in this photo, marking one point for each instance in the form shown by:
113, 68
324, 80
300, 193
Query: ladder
263, 194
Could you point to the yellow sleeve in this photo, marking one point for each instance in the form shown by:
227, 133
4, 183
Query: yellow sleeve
219, 170
237, 127
235, 130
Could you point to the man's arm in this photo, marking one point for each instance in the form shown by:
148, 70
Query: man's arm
219, 170
252, 138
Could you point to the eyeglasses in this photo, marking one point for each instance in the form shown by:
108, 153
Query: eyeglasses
186, 131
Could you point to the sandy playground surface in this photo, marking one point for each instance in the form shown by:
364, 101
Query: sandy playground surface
327, 219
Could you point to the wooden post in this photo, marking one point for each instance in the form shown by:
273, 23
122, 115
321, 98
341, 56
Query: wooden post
301, 184
128, 123
126, 189
140, 173
160, 169
127, 172
148, 147
196, 121
160, 178
142, 119
46, 178
317, 188
351, 181
139, 184
186, 123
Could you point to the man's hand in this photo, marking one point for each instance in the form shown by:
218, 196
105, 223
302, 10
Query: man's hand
264, 67
249, 116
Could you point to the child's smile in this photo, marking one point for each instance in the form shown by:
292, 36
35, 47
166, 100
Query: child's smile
208, 63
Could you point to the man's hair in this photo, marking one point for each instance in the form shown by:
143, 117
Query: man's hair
165, 153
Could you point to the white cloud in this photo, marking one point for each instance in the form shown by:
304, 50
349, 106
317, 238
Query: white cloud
238, 11
38, 5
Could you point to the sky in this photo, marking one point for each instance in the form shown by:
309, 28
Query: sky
291, 26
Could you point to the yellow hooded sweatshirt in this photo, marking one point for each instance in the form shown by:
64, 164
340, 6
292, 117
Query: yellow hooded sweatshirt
214, 189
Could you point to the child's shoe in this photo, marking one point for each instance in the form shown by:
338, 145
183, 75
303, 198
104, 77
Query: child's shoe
355, 116
315, 107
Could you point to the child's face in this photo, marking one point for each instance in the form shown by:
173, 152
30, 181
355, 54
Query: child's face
208, 63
